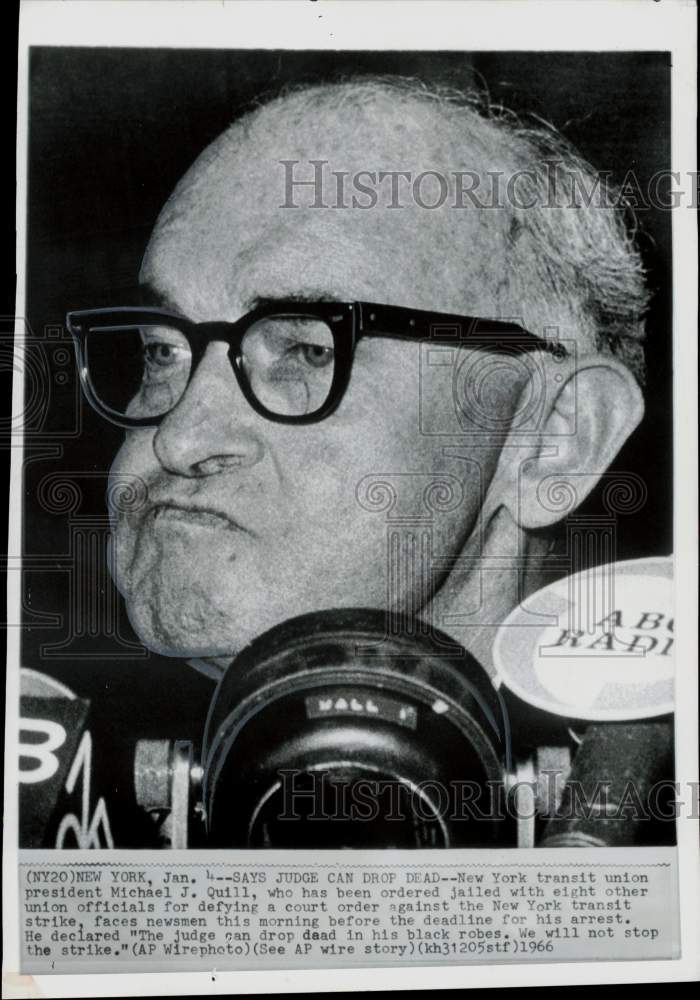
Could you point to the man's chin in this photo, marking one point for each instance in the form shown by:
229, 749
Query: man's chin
185, 635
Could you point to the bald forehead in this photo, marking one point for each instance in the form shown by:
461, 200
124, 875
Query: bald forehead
230, 222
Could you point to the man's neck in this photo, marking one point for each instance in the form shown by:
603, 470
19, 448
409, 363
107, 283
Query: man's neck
498, 568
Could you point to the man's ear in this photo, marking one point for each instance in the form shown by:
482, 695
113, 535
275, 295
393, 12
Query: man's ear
595, 407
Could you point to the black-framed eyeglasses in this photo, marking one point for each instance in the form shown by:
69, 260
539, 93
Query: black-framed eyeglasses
292, 360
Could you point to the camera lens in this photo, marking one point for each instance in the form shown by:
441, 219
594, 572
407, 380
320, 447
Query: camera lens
354, 729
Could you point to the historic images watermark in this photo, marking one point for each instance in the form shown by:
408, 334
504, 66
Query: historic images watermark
557, 186
319, 795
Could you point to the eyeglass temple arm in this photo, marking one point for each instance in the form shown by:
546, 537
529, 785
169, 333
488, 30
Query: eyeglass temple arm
413, 324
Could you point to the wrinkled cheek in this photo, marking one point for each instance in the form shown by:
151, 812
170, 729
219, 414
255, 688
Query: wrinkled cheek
153, 581
134, 555
127, 497
120, 555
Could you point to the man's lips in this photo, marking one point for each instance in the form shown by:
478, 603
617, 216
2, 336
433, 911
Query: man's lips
197, 515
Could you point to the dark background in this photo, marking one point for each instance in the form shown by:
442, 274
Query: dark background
111, 132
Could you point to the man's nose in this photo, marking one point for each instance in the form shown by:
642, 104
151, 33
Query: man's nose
212, 428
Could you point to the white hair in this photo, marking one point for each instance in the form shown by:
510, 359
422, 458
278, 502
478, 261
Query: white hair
562, 255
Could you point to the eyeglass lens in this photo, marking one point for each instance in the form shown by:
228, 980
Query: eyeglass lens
143, 371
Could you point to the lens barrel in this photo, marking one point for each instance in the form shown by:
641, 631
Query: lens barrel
354, 728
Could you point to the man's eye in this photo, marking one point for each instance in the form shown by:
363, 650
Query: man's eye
162, 354
289, 349
315, 355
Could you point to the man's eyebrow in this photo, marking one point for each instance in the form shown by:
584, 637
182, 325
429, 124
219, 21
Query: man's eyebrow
148, 295
315, 295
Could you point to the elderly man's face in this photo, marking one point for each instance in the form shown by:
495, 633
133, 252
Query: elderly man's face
250, 522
